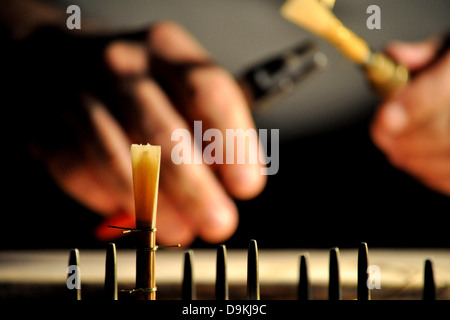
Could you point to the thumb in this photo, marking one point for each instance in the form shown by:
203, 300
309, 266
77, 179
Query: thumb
425, 97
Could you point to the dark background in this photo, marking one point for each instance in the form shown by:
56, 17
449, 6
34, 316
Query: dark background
332, 189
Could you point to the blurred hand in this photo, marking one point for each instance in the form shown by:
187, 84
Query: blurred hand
100, 95
413, 127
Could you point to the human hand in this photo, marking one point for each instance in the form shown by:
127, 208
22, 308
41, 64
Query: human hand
130, 90
413, 127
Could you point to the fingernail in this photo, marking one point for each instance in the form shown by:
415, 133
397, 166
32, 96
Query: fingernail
395, 117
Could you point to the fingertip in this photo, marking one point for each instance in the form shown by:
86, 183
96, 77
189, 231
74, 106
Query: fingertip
221, 223
126, 58
171, 40
244, 182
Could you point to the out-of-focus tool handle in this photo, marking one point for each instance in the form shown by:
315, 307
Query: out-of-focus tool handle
385, 75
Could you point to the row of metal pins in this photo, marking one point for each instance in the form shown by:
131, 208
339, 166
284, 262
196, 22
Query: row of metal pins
221, 289
110, 286
363, 292
304, 290
253, 286
334, 286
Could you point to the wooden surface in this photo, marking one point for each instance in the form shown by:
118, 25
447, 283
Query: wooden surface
401, 272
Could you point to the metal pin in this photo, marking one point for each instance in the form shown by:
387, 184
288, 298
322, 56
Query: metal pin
429, 288
334, 285
363, 292
74, 278
188, 286
111, 273
304, 285
221, 274
270, 80
252, 272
